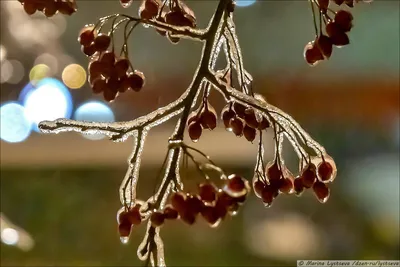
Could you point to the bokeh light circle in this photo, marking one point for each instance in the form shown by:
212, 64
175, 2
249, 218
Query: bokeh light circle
39, 72
9, 236
94, 111
244, 3
14, 126
48, 100
74, 76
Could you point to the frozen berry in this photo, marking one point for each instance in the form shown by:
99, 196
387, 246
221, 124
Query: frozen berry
237, 125
324, 44
249, 133
207, 192
102, 42
124, 229
344, 20
194, 204
312, 54
195, 131
99, 85
325, 171
157, 219
170, 213
178, 201
321, 191
264, 124
298, 186
87, 35
211, 215
239, 109
258, 187
309, 176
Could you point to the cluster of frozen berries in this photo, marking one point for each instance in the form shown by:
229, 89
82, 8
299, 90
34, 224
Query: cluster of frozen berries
242, 120
49, 7
108, 73
336, 35
211, 203
203, 118
278, 180
175, 13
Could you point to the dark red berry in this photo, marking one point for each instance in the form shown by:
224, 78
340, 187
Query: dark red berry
108, 58
324, 44
250, 118
124, 229
109, 95
211, 215
121, 67
207, 192
102, 42
157, 219
325, 171
312, 54
208, 119
239, 109
273, 172
258, 187
237, 125
194, 204
170, 213
286, 186
178, 201
29, 7
249, 133
125, 3
195, 131
298, 186
309, 176
268, 195
226, 115
89, 50
344, 20
323, 5
236, 183
99, 85
134, 216
87, 35
264, 124
188, 217
321, 191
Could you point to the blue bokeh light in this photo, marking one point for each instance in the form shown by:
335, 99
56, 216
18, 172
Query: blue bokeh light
94, 111
244, 3
15, 127
49, 99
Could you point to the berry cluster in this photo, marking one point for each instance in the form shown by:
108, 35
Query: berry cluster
242, 120
211, 203
336, 30
126, 218
49, 7
108, 73
278, 179
203, 118
178, 14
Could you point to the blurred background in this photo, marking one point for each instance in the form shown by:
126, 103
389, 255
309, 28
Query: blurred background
59, 193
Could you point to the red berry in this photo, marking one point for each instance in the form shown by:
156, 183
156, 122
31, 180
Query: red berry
249, 133
309, 176
338, 2
109, 95
226, 115
239, 109
87, 35
195, 131
237, 125
124, 229
325, 171
264, 124
99, 85
324, 44
207, 192
29, 7
323, 5
250, 118
134, 216
102, 42
321, 191
208, 118
125, 3
298, 186
121, 67
50, 9
312, 54
178, 201
108, 58
273, 172
286, 186
194, 204
88, 50
148, 9
95, 69
258, 187
268, 195
170, 213
157, 219
188, 217
344, 20
66, 8
236, 183
211, 215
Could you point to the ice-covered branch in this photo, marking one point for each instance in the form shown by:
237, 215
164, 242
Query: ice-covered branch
273, 113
